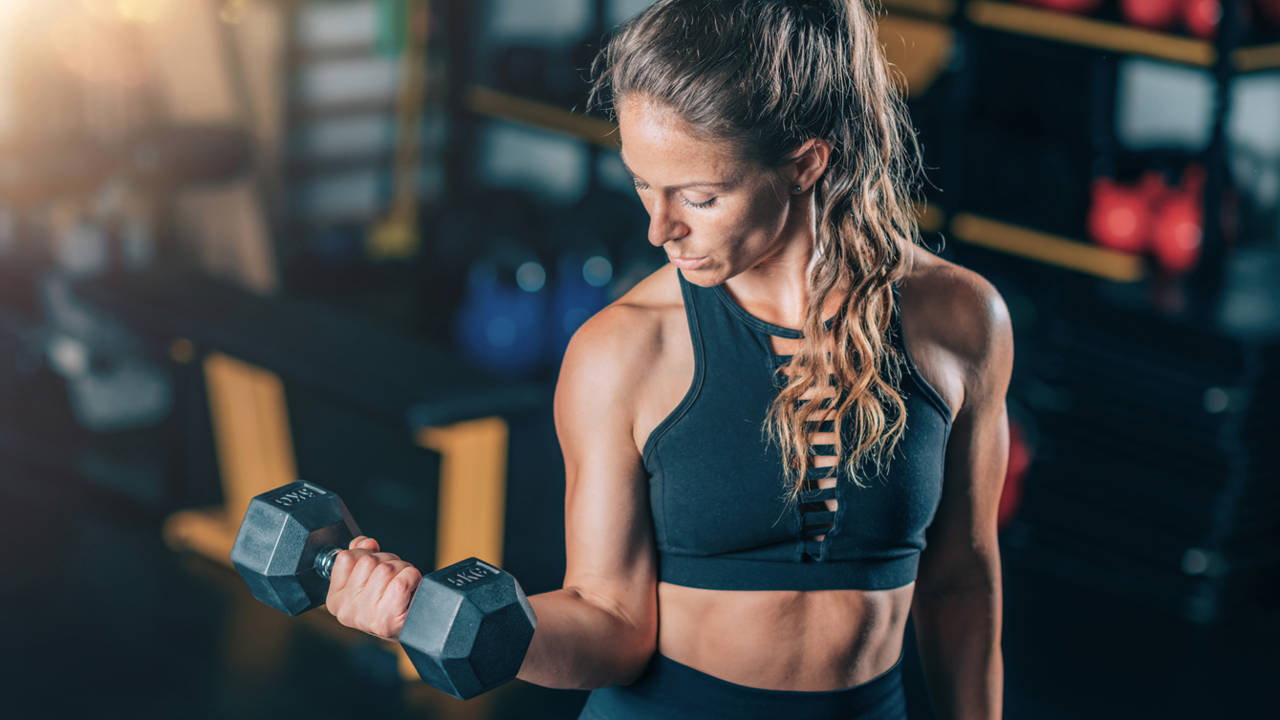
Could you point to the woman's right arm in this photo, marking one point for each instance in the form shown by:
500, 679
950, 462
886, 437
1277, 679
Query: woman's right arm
601, 628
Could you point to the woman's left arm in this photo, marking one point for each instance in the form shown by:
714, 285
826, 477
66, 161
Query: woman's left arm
957, 604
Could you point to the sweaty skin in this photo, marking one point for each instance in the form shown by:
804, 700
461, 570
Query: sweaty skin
724, 221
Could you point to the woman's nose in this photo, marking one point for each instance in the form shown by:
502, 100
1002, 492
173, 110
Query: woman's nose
664, 226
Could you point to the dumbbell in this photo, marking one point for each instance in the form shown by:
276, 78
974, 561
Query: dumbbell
469, 624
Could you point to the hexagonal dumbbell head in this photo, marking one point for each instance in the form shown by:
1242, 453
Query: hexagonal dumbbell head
285, 533
468, 628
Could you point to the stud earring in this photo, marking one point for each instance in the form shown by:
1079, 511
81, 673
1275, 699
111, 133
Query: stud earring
796, 189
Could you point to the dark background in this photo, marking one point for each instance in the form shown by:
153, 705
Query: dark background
182, 180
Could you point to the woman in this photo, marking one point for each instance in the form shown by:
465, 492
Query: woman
760, 437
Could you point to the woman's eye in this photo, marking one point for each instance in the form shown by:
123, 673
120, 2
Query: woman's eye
685, 201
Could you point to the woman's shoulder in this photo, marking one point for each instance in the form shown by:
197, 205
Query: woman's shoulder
659, 291
956, 322
647, 307
632, 328
963, 305
617, 355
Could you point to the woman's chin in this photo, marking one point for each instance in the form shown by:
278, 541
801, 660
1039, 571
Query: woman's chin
708, 275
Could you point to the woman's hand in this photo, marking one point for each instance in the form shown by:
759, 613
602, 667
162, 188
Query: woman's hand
371, 590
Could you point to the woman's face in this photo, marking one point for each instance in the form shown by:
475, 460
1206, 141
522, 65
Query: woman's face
714, 214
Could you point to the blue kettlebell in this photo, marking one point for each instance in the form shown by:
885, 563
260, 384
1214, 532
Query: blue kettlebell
582, 289
501, 325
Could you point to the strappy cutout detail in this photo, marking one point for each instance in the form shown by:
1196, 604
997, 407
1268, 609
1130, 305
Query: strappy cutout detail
868, 538
819, 499
819, 503
813, 496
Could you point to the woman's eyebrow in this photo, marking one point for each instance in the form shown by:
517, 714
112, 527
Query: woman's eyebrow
722, 184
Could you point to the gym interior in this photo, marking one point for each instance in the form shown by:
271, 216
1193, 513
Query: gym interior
249, 242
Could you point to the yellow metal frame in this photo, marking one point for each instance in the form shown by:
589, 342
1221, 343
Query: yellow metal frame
1046, 248
1258, 57
1089, 32
473, 488
940, 9
504, 106
254, 450
930, 218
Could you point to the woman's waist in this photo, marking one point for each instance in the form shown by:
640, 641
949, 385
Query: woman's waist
784, 639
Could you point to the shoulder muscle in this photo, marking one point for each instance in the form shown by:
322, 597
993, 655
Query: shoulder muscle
970, 321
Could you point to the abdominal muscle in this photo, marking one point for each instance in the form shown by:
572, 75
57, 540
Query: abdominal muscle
784, 640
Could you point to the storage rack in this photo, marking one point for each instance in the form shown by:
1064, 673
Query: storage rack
307, 165
995, 233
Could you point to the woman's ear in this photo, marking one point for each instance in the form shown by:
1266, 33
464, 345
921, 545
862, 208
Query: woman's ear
808, 164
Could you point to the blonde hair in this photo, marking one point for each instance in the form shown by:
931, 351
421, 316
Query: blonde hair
765, 76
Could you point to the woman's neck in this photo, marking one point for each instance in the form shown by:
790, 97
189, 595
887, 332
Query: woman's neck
777, 288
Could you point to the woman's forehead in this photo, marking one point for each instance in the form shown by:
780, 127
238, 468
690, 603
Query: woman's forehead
656, 140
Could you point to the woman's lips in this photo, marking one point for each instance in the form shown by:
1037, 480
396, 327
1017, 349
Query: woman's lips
688, 263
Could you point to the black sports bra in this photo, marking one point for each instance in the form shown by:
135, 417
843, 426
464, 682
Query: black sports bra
716, 486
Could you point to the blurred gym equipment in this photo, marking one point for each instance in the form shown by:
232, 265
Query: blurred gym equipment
113, 383
396, 235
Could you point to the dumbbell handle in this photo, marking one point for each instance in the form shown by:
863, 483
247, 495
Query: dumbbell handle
326, 557
324, 561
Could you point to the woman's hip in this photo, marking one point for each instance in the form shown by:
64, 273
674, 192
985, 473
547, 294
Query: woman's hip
668, 689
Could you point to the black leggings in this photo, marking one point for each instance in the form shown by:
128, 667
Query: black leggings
668, 689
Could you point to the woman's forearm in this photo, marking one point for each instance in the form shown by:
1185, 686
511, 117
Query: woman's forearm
958, 634
579, 644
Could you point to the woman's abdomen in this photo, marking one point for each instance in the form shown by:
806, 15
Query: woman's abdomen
784, 640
